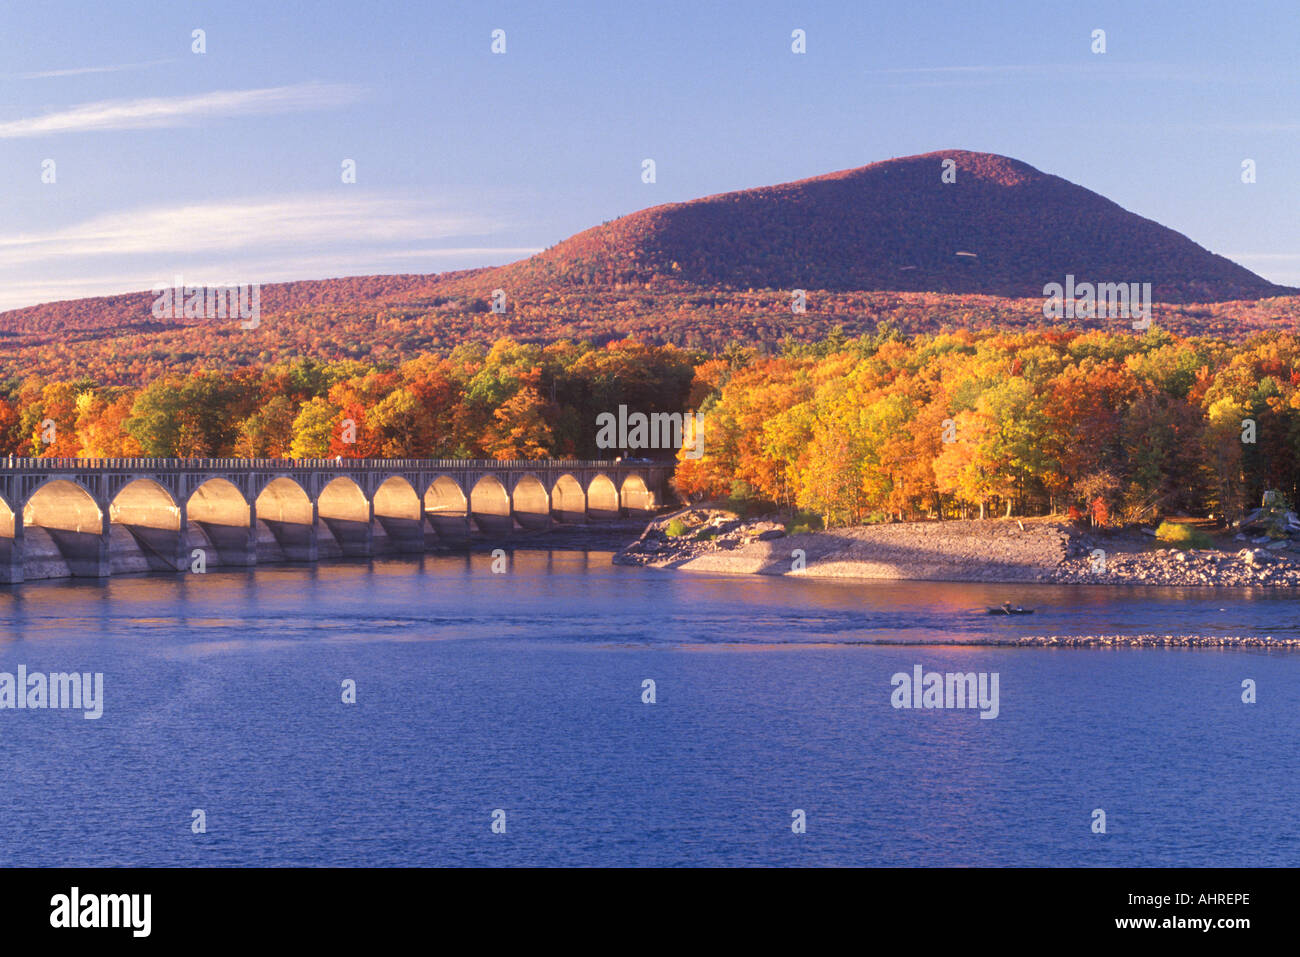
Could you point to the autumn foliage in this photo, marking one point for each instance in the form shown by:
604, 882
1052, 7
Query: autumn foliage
1106, 427
512, 401
1103, 427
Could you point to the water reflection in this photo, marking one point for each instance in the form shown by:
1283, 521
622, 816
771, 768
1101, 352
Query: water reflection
576, 596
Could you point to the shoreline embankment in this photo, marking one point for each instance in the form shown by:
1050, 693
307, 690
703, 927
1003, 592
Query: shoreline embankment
1044, 551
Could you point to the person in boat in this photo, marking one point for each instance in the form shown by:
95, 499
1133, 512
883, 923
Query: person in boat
1006, 607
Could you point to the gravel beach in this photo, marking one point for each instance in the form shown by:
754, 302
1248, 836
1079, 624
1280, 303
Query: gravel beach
993, 550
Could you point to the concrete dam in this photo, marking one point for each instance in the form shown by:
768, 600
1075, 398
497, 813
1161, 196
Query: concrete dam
98, 517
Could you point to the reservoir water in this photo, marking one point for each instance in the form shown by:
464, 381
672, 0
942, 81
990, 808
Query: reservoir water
523, 692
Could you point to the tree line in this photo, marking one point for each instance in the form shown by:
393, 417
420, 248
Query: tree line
507, 401
1111, 427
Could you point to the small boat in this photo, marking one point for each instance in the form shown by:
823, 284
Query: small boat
1009, 610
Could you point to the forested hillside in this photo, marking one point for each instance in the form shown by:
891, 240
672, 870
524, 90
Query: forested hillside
387, 331
878, 243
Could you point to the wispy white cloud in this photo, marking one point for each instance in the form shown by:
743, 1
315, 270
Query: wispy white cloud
250, 240
83, 70
16, 294
297, 222
156, 112
29, 292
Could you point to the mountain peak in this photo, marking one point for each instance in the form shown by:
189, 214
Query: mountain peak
986, 167
898, 225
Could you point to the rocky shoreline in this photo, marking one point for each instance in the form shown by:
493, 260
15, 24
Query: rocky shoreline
1095, 641
1145, 641
1049, 551
1246, 568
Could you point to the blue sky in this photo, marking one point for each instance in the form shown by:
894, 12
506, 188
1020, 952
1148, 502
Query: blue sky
225, 167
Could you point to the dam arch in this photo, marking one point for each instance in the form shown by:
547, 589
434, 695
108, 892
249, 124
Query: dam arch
286, 521
343, 519
602, 498
220, 520
568, 500
489, 506
11, 543
530, 503
447, 509
63, 516
399, 513
636, 498
148, 513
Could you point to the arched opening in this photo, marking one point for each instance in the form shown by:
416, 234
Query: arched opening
396, 499
530, 504
283, 500
489, 506
145, 504
11, 550
63, 533
285, 530
636, 498
65, 506
217, 515
342, 499
145, 529
218, 502
447, 509
344, 514
568, 501
399, 517
602, 498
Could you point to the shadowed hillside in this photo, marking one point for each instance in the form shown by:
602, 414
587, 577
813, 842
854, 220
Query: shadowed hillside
895, 225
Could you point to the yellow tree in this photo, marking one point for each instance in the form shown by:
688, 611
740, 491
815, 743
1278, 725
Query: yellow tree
520, 429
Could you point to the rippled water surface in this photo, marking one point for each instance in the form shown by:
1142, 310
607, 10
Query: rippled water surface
522, 691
